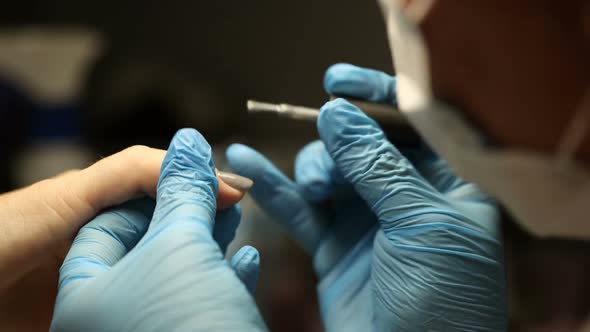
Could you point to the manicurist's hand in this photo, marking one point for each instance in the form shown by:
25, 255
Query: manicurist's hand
399, 242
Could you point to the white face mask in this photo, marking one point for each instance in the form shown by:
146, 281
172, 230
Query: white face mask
548, 194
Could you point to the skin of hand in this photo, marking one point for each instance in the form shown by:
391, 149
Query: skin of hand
39, 222
399, 243
143, 268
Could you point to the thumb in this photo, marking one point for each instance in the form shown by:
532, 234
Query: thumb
187, 189
246, 264
380, 174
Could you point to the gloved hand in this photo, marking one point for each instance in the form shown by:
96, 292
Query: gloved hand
399, 243
136, 268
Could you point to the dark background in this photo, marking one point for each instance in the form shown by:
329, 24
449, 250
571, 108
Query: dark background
173, 64
219, 51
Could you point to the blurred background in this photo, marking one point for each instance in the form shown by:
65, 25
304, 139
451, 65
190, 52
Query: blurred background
82, 80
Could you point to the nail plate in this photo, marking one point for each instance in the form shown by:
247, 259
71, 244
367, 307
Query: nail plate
235, 181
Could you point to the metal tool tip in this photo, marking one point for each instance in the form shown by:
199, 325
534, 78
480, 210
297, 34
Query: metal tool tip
256, 106
251, 104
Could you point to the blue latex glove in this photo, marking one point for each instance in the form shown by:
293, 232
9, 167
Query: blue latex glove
399, 243
136, 268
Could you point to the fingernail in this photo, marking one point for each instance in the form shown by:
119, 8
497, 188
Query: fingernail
235, 181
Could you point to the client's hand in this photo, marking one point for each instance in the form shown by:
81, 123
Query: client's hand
140, 268
39, 222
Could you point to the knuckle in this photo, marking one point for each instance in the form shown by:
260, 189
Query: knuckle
134, 157
67, 173
136, 152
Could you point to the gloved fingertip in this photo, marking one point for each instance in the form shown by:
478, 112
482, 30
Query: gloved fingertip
247, 257
191, 138
237, 153
246, 264
338, 103
188, 151
344, 79
310, 151
188, 185
335, 70
313, 169
237, 149
246, 161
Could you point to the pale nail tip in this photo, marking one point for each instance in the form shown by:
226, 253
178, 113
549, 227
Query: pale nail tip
236, 181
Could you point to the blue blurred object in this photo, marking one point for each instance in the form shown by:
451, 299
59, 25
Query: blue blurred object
56, 122
399, 243
136, 268
42, 138
36, 120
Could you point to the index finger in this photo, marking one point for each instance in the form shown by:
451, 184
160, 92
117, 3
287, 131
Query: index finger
129, 173
188, 185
